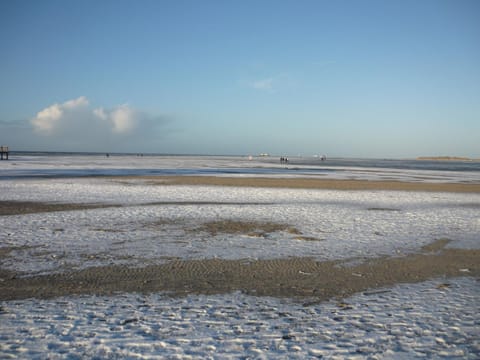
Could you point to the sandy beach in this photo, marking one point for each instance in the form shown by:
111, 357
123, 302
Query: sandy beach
234, 266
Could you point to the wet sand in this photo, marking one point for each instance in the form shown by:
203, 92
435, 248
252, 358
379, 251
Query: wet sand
301, 278
30, 207
309, 183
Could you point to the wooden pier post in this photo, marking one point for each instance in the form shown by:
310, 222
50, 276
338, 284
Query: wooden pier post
3, 152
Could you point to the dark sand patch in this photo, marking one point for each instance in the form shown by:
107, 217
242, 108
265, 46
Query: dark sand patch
250, 228
307, 238
107, 230
6, 250
437, 245
30, 207
382, 209
302, 278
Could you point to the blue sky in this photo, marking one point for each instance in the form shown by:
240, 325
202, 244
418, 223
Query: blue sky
342, 78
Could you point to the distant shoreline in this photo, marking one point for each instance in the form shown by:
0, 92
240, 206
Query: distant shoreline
446, 158
150, 154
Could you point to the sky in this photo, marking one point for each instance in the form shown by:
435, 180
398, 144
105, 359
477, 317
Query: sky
381, 79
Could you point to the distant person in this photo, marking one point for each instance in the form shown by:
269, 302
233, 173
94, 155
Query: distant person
107, 155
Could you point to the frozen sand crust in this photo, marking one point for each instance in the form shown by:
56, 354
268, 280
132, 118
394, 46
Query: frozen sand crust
433, 319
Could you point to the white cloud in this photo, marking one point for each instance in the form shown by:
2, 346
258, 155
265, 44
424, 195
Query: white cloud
46, 119
74, 125
263, 84
58, 118
50, 118
122, 119
100, 113
76, 103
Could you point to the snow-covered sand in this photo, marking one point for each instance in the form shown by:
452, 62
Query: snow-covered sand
340, 224
433, 319
160, 222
